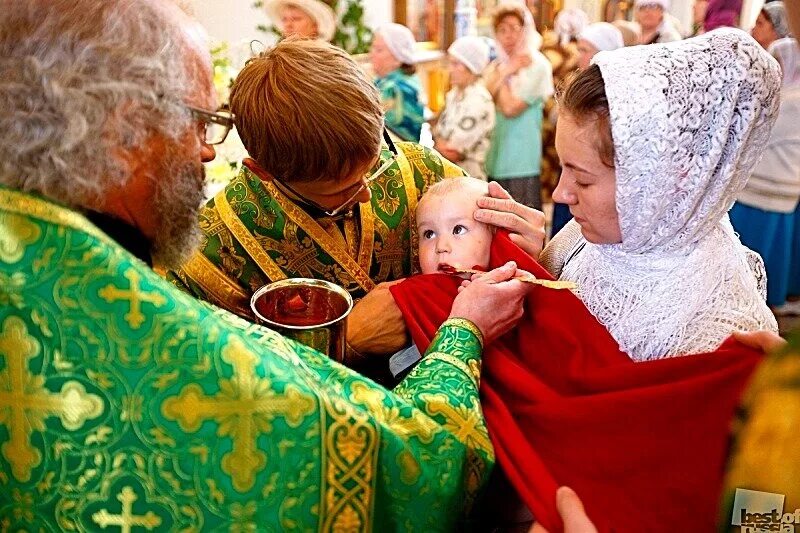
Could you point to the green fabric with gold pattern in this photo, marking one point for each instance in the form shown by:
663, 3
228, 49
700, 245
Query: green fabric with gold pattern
125, 403
253, 234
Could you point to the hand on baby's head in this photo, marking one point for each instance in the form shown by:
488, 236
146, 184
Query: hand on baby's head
449, 236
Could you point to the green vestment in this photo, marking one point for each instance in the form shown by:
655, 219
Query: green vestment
127, 405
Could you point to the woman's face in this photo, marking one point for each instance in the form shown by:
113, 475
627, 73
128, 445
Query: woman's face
295, 21
649, 17
460, 75
586, 52
383, 62
509, 33
764, 32
586, 185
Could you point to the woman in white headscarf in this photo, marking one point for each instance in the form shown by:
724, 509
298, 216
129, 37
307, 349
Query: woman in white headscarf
658, 26
771, 24
598, 37
764, 214
650, 170
392, 58
303, 18
464, 127
520, 80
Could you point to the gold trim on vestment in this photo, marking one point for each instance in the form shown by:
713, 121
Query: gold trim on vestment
410, 186
246, 239
321, 237
24, 204
216, 284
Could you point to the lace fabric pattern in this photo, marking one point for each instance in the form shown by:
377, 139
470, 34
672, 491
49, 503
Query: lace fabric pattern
689, 120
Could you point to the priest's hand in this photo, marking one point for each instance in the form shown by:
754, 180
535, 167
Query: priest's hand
525, 224
376, 325
572, 513
492, 300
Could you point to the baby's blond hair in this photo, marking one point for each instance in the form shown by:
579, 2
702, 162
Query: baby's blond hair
450, 185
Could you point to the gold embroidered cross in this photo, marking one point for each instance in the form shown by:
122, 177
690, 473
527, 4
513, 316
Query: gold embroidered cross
463, 422
134, 295
25, 403
126, 520
244, 408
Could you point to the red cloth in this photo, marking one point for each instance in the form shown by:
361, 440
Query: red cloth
643, 444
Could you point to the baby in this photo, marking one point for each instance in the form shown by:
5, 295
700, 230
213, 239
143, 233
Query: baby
449, 237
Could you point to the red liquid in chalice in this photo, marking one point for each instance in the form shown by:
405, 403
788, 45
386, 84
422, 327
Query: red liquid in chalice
301, 306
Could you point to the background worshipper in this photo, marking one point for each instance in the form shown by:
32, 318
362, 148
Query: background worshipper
771, 24
560, 48
630, 30
715, 14
302, 18
764, 212
595, 38
322, 197
519, 80
139, 388
392, 58
653, 17
463, 130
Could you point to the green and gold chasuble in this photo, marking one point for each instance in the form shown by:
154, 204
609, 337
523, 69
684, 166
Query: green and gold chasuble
126, 405
254, 234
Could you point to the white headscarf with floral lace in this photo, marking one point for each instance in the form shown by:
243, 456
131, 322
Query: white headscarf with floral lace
687, 133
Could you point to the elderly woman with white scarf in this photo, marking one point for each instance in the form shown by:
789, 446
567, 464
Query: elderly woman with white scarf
392, 58
650, 170
658, 26
520, 81
464, 128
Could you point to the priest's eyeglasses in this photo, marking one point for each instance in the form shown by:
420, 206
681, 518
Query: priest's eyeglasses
216, 124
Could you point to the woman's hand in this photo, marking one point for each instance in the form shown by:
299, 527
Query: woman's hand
492, 300
376, 325
525, 224
766, 341
517, 63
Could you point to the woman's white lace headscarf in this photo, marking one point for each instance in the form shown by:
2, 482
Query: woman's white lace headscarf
689, 120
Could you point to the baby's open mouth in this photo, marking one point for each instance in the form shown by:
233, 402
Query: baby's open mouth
444, 268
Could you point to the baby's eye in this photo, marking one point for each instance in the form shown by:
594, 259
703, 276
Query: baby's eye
428, 234
459, 229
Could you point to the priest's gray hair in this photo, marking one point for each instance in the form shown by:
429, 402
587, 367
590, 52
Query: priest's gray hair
81, 83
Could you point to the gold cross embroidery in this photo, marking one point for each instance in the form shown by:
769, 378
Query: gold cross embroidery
462, 421
126, 520
25, 403
134, 295
244, 408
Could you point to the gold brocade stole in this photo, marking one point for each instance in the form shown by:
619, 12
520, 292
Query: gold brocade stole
410, 187
356, 263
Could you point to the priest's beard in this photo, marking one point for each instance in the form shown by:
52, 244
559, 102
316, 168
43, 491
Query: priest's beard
179, 195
